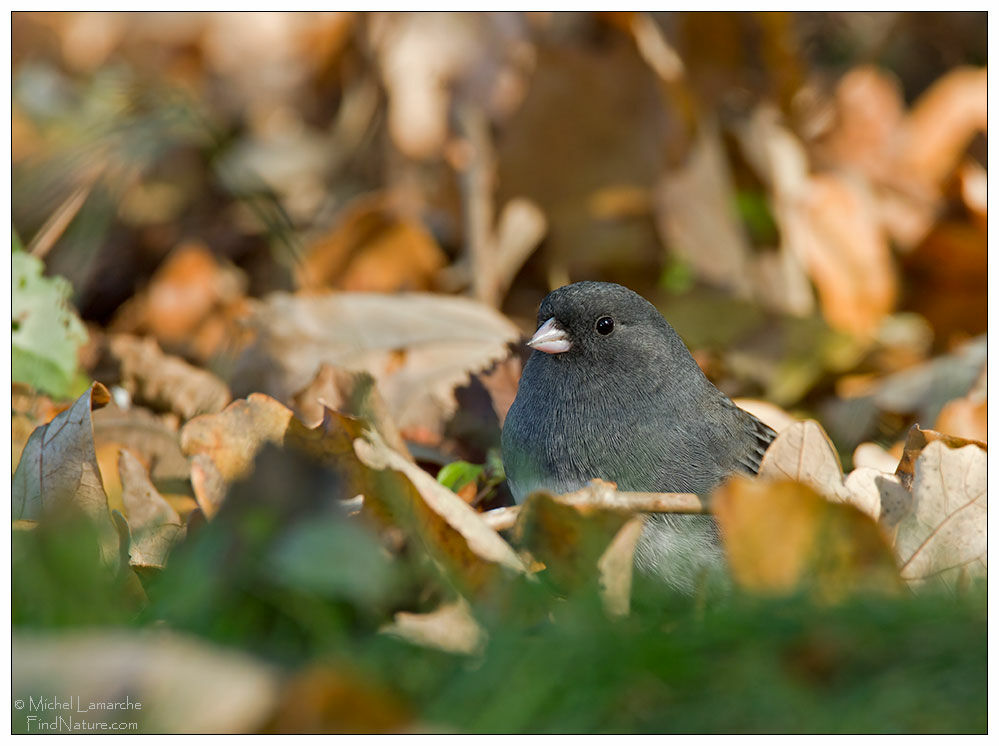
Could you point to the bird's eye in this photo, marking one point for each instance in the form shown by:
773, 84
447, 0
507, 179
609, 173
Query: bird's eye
605, 325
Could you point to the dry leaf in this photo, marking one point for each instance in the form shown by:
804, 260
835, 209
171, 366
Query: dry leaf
58, 471
417, 347
916, 441
616, 567
803, 453
778, 535
452, 532
155, 527
372, 248
942, 123
323, 699
945, 535
171, 676
189, 288
768, 413
349, 392
568, 539
450, 628
846, 253
164, 382
696, 219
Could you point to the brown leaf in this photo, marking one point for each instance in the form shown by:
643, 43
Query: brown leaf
232, 437
417, 347
616, 566
696, 219
171, 676
165, 382
450, 628
916, 441
189, 287
781, 535
155, 527
155, 442
350, 392
452, 532
568, 539
322, 699
803, 453
945, 534
846, 253
943, 121
372, 247
58, 471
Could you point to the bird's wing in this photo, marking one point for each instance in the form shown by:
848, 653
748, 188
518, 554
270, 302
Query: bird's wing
760, 437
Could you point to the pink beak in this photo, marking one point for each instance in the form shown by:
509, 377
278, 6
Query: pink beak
550, 338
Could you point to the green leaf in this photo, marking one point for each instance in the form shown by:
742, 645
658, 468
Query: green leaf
457, 474
45, 330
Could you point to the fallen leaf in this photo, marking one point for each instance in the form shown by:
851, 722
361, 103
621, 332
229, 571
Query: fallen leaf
58, 471
417, 348
164, 382
323, 699
841, 243
695, 216
803, 453
155, 527
350, 392
616, 567
372, 247
452, 532
945, 534
155, 442
943, 121
780, 536
170, 676
450, 628
233, 437
568, 539
916, 441
188, 288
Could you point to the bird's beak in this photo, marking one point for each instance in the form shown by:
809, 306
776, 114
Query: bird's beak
550, 338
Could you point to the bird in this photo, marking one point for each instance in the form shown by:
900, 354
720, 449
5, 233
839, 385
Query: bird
610, 391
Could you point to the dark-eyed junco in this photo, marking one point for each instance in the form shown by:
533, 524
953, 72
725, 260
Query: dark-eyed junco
611, 392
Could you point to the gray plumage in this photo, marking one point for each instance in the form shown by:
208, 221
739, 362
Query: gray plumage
632, 407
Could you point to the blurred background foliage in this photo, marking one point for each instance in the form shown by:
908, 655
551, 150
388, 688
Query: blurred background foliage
803, 195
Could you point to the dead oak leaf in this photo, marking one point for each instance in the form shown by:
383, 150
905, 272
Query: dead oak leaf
945, 533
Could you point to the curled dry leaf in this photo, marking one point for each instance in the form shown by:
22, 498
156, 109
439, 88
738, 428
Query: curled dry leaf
916, 441
58, 471
945, 534
165, 382
350, 392
450, 628
417, 347
155, 527
780, 535
452, 532
170, 675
